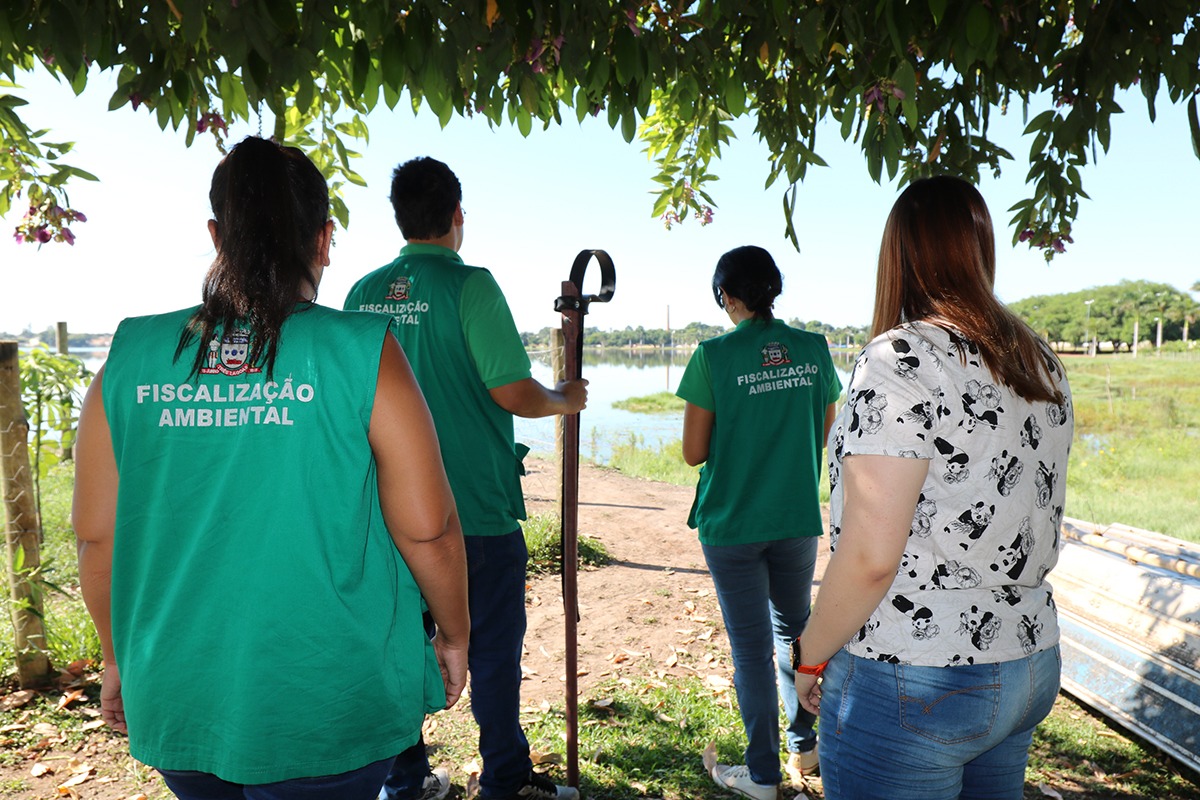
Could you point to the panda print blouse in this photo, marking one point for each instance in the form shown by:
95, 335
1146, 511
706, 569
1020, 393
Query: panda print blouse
971, 587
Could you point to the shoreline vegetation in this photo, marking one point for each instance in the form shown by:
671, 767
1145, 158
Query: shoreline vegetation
1135, 460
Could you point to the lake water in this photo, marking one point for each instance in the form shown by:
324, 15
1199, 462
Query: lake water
613, 375
619, 375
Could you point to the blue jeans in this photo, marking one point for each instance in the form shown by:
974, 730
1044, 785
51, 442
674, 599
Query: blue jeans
496, 596
902, 732
765, 591
358, 784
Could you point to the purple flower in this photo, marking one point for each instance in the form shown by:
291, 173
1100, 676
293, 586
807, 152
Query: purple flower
80, 216
67, 236
1025, 236
136, 100
42, 235
19, 237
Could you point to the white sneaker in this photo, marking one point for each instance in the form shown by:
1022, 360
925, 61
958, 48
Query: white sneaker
436, 786
801, 765
737, 779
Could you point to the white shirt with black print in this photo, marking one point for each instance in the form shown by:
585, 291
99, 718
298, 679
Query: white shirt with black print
971, 587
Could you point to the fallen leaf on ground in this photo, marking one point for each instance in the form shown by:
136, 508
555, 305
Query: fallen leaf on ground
718, 682
1046, 790
45, 729
40, 768
16, 699
68, 698
75, 780
671, 660
545, 758
709, 756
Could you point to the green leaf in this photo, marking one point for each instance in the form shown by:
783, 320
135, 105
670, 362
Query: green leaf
1194, 124
629, 125
524, 121
938, 9
392, 61
979, 25
362, 65
1039, 122
625, 48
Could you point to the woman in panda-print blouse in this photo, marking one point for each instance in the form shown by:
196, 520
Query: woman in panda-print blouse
948, 475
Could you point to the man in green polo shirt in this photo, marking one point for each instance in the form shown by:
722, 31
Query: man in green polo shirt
458, 333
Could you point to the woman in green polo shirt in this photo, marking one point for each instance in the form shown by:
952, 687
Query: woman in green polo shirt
261, 507
760, 400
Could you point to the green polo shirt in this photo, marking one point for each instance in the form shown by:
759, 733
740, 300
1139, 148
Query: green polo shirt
458, 333
768, 385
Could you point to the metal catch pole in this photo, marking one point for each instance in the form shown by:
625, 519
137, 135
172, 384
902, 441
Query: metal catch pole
573, 305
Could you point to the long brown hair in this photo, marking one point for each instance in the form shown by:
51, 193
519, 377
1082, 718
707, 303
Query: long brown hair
937, 262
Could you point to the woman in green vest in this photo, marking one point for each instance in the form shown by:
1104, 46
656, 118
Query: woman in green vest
262, 514
760, 400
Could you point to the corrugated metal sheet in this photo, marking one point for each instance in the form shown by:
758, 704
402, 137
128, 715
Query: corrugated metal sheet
1129, 607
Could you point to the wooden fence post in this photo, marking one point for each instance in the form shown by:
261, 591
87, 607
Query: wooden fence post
61, 345
21, 528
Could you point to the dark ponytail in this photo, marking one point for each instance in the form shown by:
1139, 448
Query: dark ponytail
269, 203
749, 274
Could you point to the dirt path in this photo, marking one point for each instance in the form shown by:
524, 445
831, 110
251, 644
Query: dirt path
654, 602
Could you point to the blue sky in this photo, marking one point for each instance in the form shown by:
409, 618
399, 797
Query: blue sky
533, 203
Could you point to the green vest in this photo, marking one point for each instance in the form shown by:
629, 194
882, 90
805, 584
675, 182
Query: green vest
769, 386
434, 298
264, 622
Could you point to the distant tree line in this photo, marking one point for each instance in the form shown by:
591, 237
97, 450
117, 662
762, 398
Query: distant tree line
47, 337
1108, 315
690, 335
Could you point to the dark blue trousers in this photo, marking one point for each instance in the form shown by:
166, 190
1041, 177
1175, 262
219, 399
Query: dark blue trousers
359, 784
496, 594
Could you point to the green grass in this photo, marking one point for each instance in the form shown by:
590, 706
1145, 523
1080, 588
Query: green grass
662, 462
1136, 457
643, 736
1074, 748
1135, 460
69, 630
659, 403
543, 539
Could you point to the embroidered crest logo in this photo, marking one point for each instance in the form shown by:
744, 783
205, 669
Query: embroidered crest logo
774, 354
227, 355
399, 289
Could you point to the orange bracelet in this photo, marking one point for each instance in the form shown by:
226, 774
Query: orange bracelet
805, 669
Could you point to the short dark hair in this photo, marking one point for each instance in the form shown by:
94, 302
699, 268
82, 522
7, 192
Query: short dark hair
424, 195
749, 274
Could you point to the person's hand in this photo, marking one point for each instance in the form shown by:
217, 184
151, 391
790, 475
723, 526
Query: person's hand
112, 707
452, 659
808, 688
574, 395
